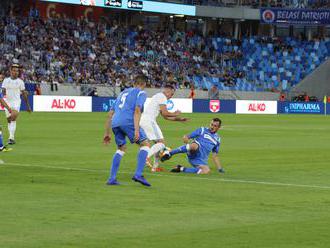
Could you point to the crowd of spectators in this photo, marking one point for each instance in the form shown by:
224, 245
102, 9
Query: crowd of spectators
55, 51
59, 50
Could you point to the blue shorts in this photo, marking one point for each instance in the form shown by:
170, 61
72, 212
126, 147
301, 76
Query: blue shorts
127, 131
198, 158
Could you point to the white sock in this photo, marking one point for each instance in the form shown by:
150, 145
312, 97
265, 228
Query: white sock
156, 148
156, 160
12, 129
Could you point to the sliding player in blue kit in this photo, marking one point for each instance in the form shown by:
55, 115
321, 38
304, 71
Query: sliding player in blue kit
204, 141
124, 119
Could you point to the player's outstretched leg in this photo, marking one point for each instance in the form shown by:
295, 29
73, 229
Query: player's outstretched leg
194, 170
114, 167
2, 147
142, 157
156, 148
168, 154
154, 151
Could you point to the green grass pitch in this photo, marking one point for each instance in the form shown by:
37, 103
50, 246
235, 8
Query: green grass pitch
275, 193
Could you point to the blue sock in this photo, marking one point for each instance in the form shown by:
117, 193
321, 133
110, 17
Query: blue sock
181, 149
115, 164
1, 142
191, 170
141, 160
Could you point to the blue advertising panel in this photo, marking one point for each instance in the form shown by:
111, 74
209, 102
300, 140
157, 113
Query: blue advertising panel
214, 106
102, 104
150, 6
301, 107
295, 16
328, 108
23, 105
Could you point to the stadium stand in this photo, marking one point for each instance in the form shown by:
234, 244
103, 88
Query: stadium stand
57, 51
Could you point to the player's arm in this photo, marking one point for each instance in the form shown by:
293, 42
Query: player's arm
216, 161
164, 112
141, 98
3, 103
193, 135
215, 158
107, 127
171, 116
176, 118
26, 99
137, 118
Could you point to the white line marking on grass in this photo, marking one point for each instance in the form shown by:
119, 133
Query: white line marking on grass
175, 176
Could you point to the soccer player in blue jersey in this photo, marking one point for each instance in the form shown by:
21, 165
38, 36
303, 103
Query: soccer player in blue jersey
203, 141
3, 103
124, 119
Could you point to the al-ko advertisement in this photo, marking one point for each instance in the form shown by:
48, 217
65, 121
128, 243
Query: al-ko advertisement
62, 104
256, 107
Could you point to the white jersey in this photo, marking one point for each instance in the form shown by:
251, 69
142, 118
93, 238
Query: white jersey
151, 110
13, 88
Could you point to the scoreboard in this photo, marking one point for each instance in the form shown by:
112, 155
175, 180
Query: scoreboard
139, 5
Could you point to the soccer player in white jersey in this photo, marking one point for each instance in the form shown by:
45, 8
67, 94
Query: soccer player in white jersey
148, 122
12, 88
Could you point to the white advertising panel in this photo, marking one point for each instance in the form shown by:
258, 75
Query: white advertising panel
62, 103
256, 107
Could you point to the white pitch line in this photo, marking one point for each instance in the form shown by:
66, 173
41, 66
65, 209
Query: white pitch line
185, 177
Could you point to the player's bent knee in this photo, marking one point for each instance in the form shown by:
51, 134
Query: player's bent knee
145, 143
120, 152
13, 116
193, 147
161, 141
122, 148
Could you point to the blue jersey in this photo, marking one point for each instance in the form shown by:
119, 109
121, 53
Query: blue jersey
208, 142
125, 106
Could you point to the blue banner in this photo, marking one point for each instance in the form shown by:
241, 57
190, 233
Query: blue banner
328, 108
301, 107
295, 16
102, 104
23, 105
214, 106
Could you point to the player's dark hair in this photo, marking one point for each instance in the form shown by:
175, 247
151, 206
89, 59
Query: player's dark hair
140, 79
170, 85
217, 120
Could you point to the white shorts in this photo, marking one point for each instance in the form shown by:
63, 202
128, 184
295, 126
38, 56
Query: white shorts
152, 130
14, 106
